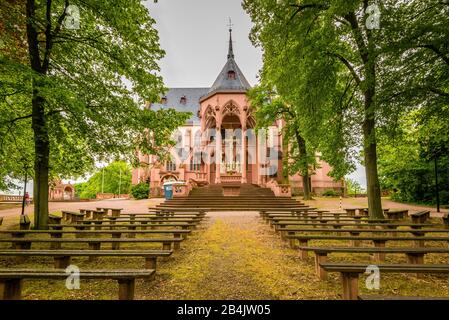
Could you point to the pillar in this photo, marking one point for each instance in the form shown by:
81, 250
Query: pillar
243, 154
218, 153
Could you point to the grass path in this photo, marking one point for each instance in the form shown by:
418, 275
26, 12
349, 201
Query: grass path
237, 257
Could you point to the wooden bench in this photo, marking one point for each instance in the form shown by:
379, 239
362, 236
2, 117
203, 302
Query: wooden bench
11, 280
93, 213
418, 233
379, 241
200, 211
355, 219
445, 220
62, 258
72, 216
134, 224
350, 273
396, 214
54, 219
93, 243
414, 255
115, 212
282, 225
159, 216
350, 211
116, 234
87, 225
420, 217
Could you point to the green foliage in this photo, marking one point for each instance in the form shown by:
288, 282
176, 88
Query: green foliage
353, 187
71, 97
351, 83
269, 108
140, 191
330, 193
115, 176
406, 166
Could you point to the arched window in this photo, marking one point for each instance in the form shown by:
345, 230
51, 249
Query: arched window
231, 75
170, 166
183, 100
195, 162
197, 139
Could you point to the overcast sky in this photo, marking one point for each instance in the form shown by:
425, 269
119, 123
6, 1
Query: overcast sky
195, 36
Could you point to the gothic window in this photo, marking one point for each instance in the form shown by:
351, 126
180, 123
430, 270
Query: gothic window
231, 75
170, 166
164, 100
183, 100
195, 162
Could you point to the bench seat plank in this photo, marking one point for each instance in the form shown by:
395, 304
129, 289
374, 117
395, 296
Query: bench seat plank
350, 273
11, 279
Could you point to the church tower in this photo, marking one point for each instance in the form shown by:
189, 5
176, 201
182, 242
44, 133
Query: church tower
225, 106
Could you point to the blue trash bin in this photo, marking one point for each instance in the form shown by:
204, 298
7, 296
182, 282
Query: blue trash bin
168, 191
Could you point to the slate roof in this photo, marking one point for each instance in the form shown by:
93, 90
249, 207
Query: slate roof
192, 105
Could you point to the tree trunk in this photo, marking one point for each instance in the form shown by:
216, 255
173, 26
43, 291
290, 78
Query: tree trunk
370, 149
285, 168
41, 162
41, 140
304, 166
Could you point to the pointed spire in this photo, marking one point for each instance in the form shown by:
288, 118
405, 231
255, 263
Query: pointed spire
230, 50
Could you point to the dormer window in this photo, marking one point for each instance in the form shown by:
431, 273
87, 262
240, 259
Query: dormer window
183, 100
231, 75
164, 100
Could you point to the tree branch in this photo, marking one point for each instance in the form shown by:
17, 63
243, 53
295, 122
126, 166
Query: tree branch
348, 65
437, 51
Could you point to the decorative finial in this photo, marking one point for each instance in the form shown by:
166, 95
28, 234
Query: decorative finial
230, 51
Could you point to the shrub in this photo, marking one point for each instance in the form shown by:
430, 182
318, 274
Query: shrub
330, 193
140, 191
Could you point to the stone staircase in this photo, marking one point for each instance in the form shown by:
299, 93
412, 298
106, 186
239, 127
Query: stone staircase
251, 198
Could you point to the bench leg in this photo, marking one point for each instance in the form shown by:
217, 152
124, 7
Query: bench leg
379, 256
350, 283
177, 245
94, 246
131, 235
126, 289
62, 262
11, 289
292, 243
419, 243
116, 245
416, 258
151, 263
303, 254
320, 272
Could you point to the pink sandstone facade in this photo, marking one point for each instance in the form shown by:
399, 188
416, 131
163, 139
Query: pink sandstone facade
222, 115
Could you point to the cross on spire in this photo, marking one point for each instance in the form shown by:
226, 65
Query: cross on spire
230, 50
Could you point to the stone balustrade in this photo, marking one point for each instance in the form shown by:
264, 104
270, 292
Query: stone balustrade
280, 190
